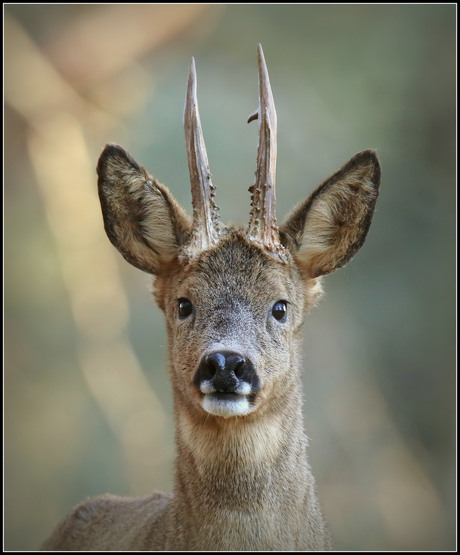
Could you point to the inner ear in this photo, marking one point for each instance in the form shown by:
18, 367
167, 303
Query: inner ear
328, 228
141, 218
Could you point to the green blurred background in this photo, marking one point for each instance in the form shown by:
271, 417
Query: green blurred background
88, 405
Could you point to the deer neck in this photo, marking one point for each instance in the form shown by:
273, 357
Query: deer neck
243, 480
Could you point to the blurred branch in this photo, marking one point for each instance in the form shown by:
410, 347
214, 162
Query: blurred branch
34, 88
66, 180
101, 43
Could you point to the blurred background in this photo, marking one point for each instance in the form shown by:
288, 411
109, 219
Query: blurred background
88, 405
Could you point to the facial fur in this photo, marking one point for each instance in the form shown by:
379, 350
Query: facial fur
233, 289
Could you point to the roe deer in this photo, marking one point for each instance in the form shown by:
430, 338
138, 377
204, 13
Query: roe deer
234, 300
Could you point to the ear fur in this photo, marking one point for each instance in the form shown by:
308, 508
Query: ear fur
141, 218
326, 230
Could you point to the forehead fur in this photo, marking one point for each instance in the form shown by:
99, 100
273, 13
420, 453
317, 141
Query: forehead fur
240, 266
234, 270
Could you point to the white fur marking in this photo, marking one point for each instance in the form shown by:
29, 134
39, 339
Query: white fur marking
206, 387
243, 388
226, 408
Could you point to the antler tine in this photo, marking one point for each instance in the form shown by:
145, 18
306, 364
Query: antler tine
205, 217
262, 223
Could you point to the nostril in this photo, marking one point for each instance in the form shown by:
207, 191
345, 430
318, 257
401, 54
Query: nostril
238, 368
215, 362
208, 367
221, 370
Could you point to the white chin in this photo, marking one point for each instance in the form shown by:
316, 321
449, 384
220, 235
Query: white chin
237, 406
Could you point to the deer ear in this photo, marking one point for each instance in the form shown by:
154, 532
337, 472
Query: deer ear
141, 218
327, 229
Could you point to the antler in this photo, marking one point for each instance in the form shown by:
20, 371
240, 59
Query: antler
205, 216
262, 226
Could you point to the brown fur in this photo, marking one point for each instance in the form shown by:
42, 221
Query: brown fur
141, 218
331, 225
241, 482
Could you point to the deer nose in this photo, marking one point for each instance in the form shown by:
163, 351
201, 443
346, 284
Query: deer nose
225, 371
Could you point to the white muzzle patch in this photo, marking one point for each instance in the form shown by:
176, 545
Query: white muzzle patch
226, 404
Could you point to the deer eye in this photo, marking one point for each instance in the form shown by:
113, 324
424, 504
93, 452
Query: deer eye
185, 308
279, 311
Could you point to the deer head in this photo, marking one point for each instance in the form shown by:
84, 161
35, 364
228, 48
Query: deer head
235, 298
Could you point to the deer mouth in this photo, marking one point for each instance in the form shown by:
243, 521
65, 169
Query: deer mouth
227, 404
227, 383
222, 396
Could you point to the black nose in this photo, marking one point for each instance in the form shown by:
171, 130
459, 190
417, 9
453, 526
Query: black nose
225, 370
